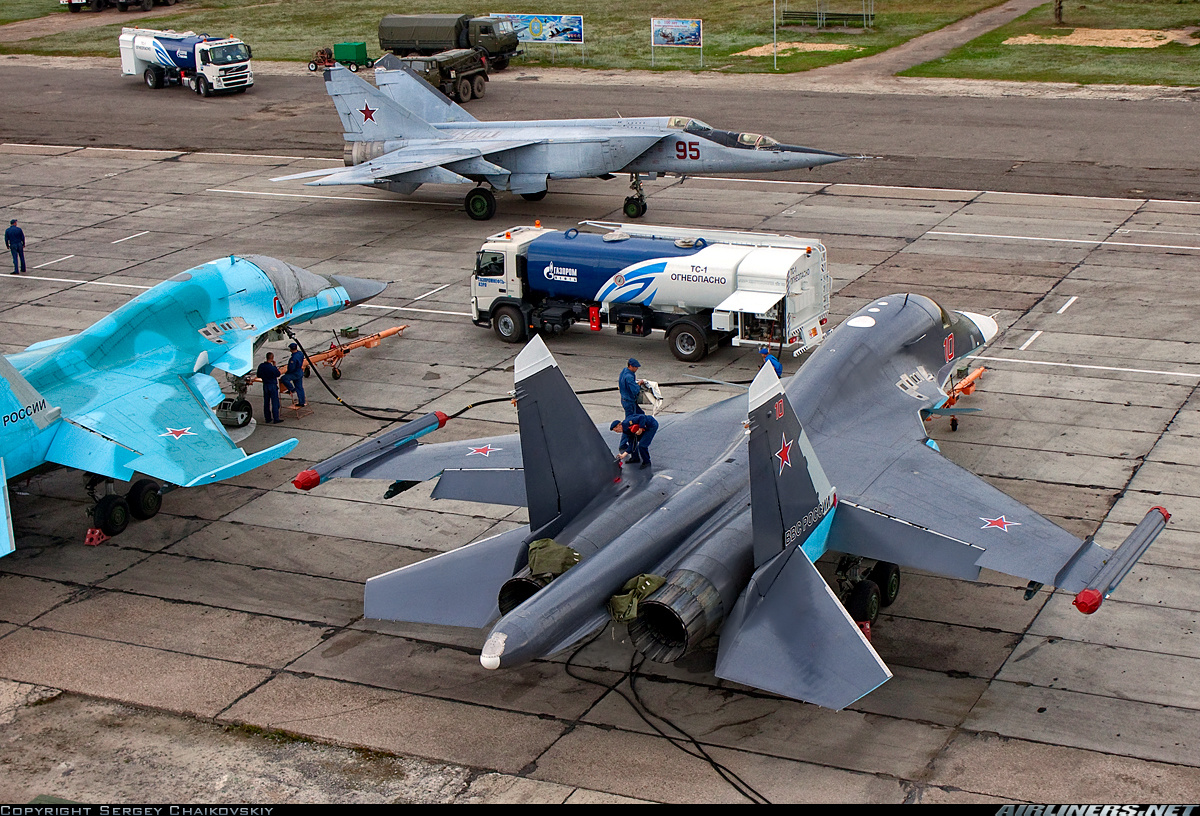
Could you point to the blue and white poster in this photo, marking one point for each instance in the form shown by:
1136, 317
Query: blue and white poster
676, 33
547, 28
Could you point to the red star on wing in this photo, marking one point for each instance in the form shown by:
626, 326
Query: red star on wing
175, 433
1000, 523
784, 455
484, 451
368, 112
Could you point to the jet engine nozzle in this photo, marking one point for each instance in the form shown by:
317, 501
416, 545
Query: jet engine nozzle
358, 152
518, 589
677, 617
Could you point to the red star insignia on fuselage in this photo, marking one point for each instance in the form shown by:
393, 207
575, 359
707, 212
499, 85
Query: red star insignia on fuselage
1000, 523
484, 451
175, 433
784, 455
368, 112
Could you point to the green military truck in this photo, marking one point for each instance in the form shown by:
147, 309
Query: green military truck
425, 34
461, 73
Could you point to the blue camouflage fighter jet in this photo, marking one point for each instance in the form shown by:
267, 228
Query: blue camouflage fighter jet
405, 133
724, 531
133, 393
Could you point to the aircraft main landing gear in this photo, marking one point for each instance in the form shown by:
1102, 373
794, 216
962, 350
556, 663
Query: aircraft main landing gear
111, 512
865, 592
480, 204
635, 205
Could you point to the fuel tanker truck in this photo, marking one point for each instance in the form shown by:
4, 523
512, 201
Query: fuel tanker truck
205, 64
702, 287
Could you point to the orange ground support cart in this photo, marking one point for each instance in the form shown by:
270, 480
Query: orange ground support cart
332, 358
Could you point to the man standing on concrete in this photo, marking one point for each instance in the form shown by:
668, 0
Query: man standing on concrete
14, 240
630, 387
268, 372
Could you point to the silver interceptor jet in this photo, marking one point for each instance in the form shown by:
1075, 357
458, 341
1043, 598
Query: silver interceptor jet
406, 133
733, 515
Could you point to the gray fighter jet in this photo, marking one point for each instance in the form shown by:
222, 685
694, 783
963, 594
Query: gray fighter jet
406, 133
733, 515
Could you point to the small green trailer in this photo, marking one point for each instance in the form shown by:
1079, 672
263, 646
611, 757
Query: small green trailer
351, 54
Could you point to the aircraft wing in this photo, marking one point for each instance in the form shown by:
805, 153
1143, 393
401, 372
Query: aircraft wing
396, 165
924, 511
160, 427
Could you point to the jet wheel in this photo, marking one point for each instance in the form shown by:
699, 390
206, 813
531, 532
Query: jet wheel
886, 576
538, 196
634, 207
111, 514
143, 499
864, 602
243, 411
480, 204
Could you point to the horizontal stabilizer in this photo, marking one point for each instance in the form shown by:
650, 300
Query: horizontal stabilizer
791, 635
489, 486
458, 588
7, 539
235, 468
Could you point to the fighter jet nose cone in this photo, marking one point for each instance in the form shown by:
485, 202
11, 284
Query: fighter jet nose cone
360, 290
987, 327
492, 650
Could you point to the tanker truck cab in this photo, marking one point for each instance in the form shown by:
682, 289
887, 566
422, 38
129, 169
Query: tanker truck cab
702, 288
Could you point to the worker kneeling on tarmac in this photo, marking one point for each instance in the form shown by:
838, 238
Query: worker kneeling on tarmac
637, 432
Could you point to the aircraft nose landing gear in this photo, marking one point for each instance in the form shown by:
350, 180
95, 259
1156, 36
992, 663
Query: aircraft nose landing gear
635, 205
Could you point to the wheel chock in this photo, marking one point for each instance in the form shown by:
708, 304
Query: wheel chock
94, 537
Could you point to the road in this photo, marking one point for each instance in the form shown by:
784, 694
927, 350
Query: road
1004, 138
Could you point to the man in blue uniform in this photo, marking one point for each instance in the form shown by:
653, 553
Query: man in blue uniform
768, 357
14, 241
630, 387
637, 432
268, 372
293, 380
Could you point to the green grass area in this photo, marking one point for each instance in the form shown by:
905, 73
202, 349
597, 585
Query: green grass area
988, 58
13, 10
617, 36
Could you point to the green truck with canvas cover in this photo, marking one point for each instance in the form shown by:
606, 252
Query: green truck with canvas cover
425, 34
461, 74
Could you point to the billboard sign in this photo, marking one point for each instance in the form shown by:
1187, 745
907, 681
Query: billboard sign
547, 28
676, 33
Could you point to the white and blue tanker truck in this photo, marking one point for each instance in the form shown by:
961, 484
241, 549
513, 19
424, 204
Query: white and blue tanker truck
701, 287
204, 64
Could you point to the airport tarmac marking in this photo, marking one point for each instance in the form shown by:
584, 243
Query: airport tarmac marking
1029, 342
430, 292
1183, 374
1093, 241
56, 260
337, 198
1067, 305
413, 309
127, 237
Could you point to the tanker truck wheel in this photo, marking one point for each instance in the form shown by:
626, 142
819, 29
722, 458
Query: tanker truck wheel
202, 87
687, 343
509, 324
480, 204
153, 77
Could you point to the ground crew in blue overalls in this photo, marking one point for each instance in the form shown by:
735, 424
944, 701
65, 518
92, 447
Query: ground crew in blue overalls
630, 387
637, 432
768, 357
293, 380
268, 372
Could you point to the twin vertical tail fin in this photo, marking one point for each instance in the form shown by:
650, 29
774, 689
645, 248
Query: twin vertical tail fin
566, 460
369, 115
791, 495
788, 632
412, 92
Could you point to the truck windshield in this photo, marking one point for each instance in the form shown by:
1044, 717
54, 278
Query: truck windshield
229, 54
504, 27
489, 265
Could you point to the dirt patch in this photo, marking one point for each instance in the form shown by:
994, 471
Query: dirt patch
1111, 38
793, 47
